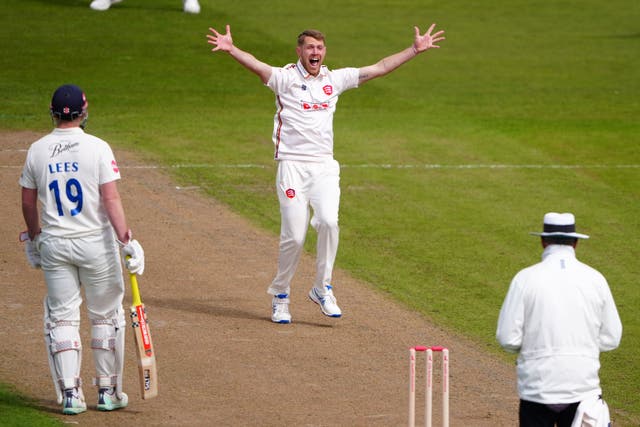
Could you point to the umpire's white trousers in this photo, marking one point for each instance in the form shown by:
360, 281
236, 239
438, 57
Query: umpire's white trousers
301, 185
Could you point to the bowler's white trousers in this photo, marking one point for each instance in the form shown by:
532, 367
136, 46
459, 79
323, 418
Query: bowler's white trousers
302, 185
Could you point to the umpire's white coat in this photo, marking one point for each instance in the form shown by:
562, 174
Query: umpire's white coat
559, 315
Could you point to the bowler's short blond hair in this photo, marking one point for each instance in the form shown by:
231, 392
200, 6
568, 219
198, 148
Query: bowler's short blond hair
310, 33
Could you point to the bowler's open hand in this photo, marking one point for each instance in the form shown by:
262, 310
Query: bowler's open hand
426, 41
222, 42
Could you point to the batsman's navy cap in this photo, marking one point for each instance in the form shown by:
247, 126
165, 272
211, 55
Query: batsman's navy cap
560, 225
68, 102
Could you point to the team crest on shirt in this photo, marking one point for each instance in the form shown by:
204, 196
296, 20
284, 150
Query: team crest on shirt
291, 193
114, 166
328, 89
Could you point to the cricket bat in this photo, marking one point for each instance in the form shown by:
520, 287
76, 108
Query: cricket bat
144, 345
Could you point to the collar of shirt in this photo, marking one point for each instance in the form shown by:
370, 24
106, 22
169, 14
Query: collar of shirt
68, 131
558, 249
305, 74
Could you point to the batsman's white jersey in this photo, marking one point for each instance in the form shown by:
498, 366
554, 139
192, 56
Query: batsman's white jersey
307, 173
67, 167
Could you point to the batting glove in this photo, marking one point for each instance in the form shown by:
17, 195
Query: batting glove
133, 255
31, 250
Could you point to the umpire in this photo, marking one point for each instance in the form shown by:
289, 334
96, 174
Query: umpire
559, 315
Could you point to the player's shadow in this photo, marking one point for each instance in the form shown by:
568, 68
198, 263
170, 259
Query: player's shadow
200, 307
53, 407
208, 308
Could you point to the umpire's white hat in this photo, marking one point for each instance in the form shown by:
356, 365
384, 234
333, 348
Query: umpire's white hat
560, 225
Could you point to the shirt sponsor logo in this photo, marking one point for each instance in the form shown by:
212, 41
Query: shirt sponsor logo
114, 165
315, 106
63, 147
291, 193
328, 89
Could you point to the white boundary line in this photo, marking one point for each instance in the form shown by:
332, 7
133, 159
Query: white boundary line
374, 166
390, 166
480, 166
364, 166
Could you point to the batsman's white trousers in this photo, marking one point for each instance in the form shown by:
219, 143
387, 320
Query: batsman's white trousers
91, 261
301, 185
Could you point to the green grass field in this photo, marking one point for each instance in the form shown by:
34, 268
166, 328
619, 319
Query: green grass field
448, 163
17, 410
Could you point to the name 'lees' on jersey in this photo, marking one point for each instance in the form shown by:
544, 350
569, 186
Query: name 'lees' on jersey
303, 122
67, 167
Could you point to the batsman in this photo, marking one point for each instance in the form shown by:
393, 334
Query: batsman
76, 239
308, 177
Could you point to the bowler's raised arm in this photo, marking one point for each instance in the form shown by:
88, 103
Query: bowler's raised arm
224, 42
421, 43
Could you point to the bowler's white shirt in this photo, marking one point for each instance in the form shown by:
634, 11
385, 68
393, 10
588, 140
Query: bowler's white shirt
67, 168
303, 123
559, 315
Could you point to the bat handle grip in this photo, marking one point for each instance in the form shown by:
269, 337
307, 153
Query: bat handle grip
135, 291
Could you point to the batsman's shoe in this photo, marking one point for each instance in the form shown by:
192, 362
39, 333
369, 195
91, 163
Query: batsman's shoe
109, 401
73, 402
102, 4
191, 6
326, 301
280, 309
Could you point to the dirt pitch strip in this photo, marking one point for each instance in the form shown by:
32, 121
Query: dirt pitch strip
222, 362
